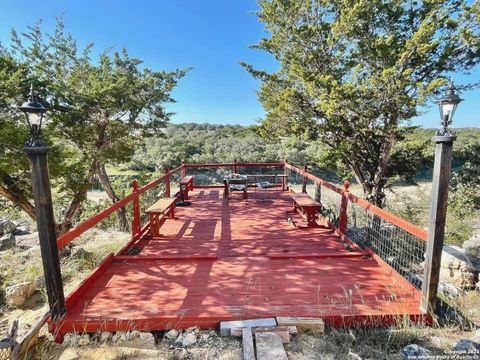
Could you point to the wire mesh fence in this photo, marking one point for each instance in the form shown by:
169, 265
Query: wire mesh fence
399, 248
209, 176
214, 174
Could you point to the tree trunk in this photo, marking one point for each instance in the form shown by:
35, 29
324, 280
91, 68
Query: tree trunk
13, 193
105, 182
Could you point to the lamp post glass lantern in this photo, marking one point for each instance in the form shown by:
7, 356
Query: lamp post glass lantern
35, 113
447, 106
37, 151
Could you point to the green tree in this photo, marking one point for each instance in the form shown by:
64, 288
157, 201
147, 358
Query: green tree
98, 110
353, 72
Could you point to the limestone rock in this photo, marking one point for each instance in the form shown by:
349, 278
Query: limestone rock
84, 340
172, 334
413, 350
105, 336
16, 295
467, 346
71, 339
7, 227
7, 241
180, 354
119, 337
21, 230
28, 241
472, 249
189, 339
456, 268
140, 340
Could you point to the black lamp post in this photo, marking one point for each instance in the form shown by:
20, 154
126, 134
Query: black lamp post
37, 150
444, 139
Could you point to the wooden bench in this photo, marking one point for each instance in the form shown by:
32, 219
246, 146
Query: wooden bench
307, 207
186, 184
158, 211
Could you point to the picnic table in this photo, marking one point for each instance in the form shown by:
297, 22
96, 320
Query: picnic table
235, 182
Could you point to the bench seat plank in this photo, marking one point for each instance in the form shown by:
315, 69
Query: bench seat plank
304, 200
161, 205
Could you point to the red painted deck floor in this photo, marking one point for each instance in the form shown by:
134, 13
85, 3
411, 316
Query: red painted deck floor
218, 261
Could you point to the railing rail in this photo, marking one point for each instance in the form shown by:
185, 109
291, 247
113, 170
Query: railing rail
134, 197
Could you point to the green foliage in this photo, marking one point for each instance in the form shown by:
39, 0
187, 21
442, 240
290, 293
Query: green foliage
465, 183
353, 73
98, 111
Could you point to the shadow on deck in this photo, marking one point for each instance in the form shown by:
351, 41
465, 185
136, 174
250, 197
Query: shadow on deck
218, 261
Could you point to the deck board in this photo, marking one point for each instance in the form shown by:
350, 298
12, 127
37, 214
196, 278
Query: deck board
314, 274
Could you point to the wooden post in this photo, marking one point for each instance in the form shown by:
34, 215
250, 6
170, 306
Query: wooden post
318, 193
304, 180
184, 169
436, 224
136, 222
342, 220
234, 166
167, 182
285, 179
42, 197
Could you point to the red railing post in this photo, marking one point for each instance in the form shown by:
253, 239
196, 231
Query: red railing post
184, 169
167, 182
342, 222
136, 222
285, 178
234, 166
304, 180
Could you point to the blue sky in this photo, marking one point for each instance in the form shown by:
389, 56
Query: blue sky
211, 36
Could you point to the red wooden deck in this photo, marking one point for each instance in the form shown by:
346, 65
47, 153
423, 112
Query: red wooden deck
218, 261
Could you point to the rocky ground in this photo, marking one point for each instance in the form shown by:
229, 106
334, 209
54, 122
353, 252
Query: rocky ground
395, 343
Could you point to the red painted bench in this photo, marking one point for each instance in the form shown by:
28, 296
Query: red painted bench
186, 184
307, 207
157, 212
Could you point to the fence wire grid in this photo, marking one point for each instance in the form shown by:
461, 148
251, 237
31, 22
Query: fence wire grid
398, 248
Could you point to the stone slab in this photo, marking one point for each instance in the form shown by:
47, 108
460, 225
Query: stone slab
247, 344
226, 326
302, 322
269, 346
